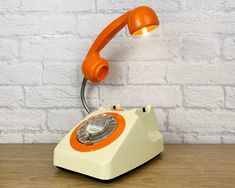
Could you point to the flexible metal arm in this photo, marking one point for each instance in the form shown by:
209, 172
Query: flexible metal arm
84, 103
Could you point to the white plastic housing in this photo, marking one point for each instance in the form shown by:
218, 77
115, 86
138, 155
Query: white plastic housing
139, 142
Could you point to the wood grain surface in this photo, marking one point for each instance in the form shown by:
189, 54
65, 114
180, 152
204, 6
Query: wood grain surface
30, 166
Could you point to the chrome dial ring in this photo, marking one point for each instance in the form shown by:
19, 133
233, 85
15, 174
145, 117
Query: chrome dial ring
96, 129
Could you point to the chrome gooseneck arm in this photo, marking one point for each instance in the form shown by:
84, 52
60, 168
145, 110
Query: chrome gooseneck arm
84, 103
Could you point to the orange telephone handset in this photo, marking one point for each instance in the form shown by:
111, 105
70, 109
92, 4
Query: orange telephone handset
139, 20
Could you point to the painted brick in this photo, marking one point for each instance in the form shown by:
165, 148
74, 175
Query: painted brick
229, 48
43, 137
228, 139
8, 49
230, 97
141, 49
59, 74
201, 73
44, 5
10, 138
229, 5
199, 47
160, 96
20, 74
207, 6
58, 24
87, 25
207, 96
114, 5
199, 23
10, 6
162, 6
117, 73
161, 119
22, 119
64, 120
45, 96
59, 5
19, 25
55, 96
172, 138
54, 49
202, 139
122, 6
142, 73
11, 96
201, 121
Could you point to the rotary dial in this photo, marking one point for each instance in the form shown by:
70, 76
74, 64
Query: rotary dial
96, 129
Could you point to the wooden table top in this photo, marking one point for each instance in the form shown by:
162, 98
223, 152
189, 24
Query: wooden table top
30, 166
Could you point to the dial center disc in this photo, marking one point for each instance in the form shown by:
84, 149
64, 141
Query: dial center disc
96, 129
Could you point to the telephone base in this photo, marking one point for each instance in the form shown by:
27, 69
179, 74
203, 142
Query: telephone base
139, 142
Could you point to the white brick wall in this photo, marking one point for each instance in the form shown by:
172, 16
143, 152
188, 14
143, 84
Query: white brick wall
11, 96
58, 6
61, 74
10, 6
58, 24
229, 48
20, 120
9, 49
205, 6
19, 25
204, 97
20, 74
186, 68
230, 97
142, 73
86, 25
159, 96
60, 48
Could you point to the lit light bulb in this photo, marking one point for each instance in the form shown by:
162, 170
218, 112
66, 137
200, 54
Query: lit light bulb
144, 30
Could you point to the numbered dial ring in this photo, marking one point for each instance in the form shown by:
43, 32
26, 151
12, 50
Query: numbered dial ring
97, 132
